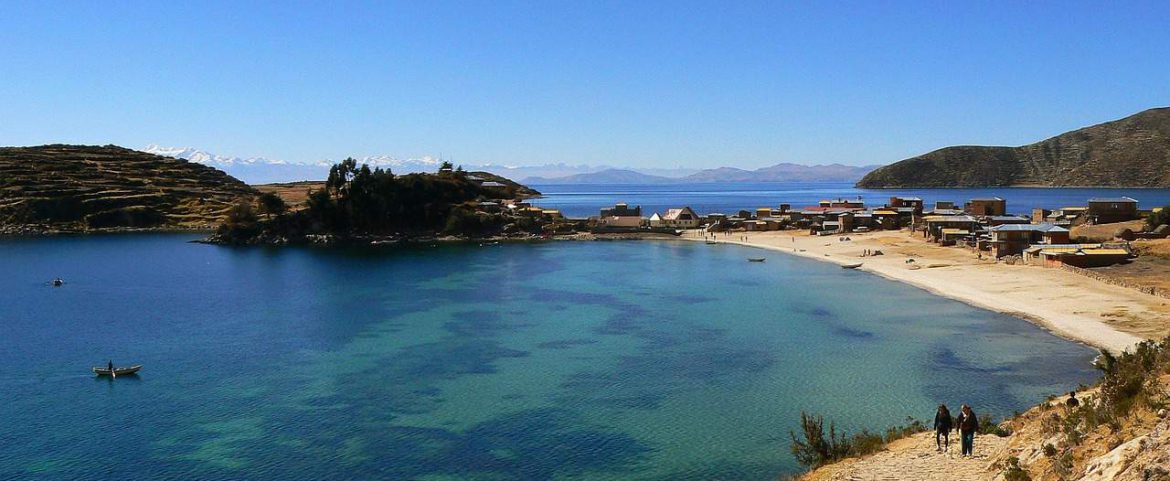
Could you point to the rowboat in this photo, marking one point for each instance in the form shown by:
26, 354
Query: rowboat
851, 266
757, 259
118, 371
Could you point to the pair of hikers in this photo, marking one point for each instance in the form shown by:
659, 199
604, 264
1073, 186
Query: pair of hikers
966, 423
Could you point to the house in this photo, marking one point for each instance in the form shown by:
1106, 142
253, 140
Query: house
1067, 216
952, 236
844, 203
1105, 210
683, 218
986, 206
995, 220
934, 224
915, 204
1013, 239
621, 215
1077, 255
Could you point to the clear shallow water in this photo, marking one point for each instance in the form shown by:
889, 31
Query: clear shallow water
593, 361
583, 200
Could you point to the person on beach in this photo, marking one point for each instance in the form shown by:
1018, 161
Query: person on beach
1072, 401
967, 423
942, 428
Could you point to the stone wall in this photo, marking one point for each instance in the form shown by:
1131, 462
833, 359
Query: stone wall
1154, 291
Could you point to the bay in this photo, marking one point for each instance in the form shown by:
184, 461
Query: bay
562, 360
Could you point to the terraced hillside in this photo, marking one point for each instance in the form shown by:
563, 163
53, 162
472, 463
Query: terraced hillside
86, 188
1130, 152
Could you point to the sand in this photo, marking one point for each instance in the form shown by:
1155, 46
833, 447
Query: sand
1070, 305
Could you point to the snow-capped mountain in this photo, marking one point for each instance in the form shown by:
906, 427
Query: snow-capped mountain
202, 157
262, 170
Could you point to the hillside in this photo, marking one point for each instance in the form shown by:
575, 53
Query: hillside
1131, 152
82, 188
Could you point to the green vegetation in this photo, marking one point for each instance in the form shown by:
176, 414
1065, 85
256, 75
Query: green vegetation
814, 449
1156, 219
1130, 383
359, 201
1014, 472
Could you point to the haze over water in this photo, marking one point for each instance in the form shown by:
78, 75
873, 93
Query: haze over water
566, 360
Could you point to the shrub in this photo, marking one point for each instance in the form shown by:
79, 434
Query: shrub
1158, 218
816, 450
1049, 450
987, 426
1014, 472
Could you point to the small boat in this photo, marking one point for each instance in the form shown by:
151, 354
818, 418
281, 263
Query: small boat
117, 371
58, 282
712, 242
757, 259
851, 266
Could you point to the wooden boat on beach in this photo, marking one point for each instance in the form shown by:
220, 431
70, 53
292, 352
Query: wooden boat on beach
851, 266
757, 259
117, 371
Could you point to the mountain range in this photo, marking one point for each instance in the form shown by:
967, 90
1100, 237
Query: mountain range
1130, 152
784, 172
260, 170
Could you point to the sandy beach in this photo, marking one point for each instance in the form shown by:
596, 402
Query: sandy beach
1070, 305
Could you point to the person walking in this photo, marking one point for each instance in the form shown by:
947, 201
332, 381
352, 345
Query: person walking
942, 428
967, 423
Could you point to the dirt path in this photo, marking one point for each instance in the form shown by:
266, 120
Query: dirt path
916, 458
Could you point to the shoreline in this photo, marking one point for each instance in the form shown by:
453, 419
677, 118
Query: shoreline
1070, 306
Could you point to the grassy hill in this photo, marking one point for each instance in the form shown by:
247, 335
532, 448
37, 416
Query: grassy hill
1131, 152
86, 188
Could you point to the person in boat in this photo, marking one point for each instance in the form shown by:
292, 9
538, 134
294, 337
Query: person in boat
110, 365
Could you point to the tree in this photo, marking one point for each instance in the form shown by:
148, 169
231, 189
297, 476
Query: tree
271, 204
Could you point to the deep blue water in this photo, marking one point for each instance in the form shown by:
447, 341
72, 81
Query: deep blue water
583, 200
587, 360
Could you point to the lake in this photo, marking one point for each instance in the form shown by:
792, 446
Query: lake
652, 360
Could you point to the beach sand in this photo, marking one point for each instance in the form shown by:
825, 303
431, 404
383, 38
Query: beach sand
1070, 305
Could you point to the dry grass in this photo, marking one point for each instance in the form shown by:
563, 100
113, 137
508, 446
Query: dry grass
293, 193
1106, 232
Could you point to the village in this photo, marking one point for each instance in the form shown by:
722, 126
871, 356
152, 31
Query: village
983, 226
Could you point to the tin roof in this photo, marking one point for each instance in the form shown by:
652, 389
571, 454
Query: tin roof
1113, 199
1029, 227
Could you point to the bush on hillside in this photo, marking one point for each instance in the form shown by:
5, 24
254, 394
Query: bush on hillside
1156, 219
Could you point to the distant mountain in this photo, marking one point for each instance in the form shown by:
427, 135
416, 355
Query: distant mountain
260, 170
777, 173
607, 176
1131, 152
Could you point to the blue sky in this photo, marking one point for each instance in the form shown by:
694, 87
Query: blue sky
645, 84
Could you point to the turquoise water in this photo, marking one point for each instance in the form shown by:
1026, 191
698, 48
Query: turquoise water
583, 361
